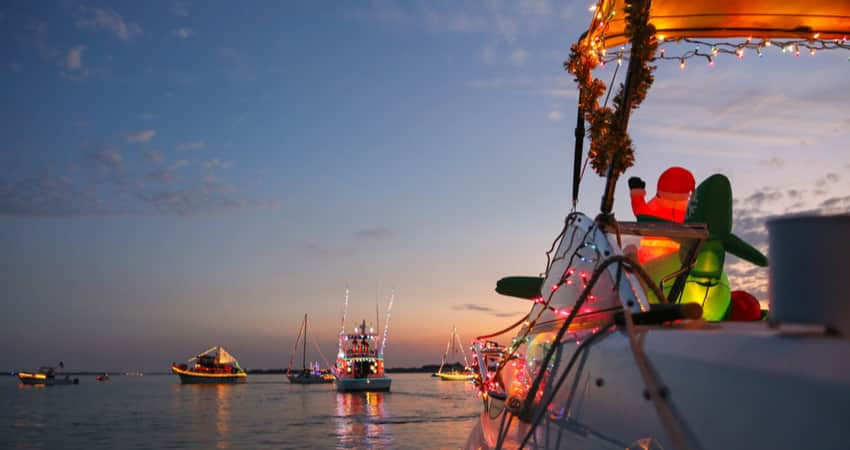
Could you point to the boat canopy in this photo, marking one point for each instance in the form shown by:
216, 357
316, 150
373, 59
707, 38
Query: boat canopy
717, 19
219, 353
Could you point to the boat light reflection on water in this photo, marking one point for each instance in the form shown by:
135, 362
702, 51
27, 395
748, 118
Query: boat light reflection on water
360, 420
215, 401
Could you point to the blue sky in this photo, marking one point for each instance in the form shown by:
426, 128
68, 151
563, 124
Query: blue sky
175, 175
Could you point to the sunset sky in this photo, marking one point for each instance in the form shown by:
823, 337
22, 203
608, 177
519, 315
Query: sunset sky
176, 175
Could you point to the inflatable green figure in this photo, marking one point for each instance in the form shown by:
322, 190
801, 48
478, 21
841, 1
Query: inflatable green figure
707, 283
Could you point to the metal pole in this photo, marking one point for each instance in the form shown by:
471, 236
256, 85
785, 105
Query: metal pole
579, 151
623, 120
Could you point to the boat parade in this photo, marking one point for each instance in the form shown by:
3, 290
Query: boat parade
680, 298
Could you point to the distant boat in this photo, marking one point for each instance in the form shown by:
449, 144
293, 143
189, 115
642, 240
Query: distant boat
454, 346
307, 375
360, 361
46, 376
214, 366
104, 377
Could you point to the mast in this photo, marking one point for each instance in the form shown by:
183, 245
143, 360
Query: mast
460, 348
342, 327
304, 346
387, 324
446, 353
295, 348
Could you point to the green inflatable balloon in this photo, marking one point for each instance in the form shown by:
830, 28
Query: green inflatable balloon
707, 283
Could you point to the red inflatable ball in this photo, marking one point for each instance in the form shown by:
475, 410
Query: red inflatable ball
744, 307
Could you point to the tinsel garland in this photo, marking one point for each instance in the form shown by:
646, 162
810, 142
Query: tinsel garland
609, 138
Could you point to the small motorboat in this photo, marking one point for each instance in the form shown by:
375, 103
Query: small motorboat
46, 376
103, 377
214, 366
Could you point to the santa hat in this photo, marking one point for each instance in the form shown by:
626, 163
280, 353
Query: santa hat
676, 183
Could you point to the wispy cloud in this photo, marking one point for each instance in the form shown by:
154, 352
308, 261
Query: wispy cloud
141, 136
773, 162
180, 9
194, 145
454, 21
183, 32
554, 116
504, 20
148, 116
107, 19
109, 159
216, 163
163, 175
374, 233
154, 156
74, 58
519, 57
72, 65
485, 309
105, 183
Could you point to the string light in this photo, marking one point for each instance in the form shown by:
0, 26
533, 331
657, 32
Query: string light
795, 46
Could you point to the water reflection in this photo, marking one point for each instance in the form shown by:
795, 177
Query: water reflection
361, 420
212, 402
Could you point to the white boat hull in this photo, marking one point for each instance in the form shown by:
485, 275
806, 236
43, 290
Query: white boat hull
736, 385
362, 384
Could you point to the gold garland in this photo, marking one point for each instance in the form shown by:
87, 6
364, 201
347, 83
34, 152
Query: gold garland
609, 138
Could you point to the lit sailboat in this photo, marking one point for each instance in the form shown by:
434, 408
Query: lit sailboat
307, 375
454, 346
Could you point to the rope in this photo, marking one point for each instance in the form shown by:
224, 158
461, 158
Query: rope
294, 348
319, 349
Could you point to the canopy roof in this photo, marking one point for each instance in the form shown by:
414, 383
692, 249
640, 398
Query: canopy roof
759, 19
219, 353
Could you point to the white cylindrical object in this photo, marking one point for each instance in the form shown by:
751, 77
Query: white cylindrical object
809, 277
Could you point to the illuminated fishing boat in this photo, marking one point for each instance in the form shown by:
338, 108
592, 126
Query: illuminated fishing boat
46, 376
214, 366
360, 360
312, 374
615, 352
453, 374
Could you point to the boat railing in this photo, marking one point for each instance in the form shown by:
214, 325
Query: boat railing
599, 272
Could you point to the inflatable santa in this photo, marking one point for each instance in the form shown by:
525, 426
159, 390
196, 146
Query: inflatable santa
674, 190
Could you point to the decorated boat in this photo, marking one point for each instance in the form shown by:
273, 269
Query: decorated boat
360, 359
634, 338
47, 376
213, 366
312, 374
453, 372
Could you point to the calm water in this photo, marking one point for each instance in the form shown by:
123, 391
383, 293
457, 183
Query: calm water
267, 412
